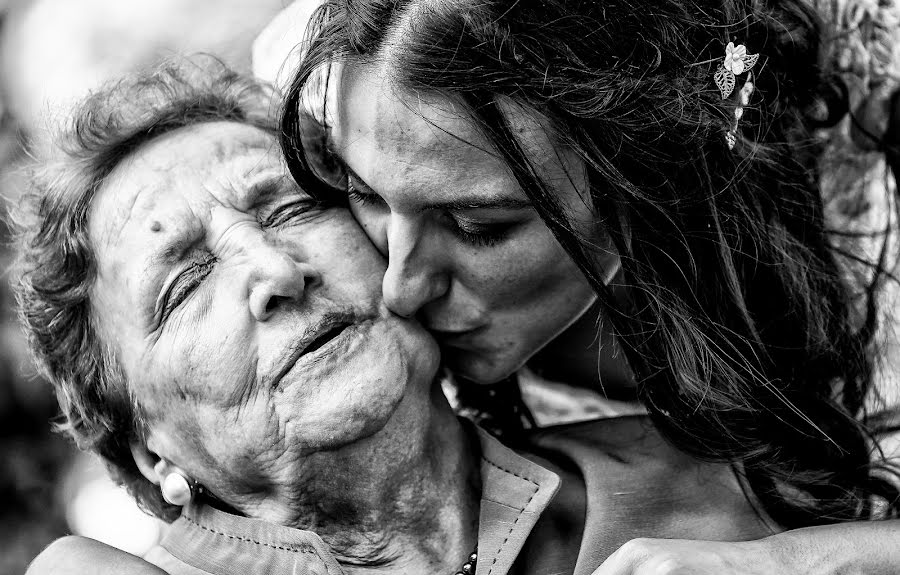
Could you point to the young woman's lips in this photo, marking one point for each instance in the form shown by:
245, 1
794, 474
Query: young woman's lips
462, 338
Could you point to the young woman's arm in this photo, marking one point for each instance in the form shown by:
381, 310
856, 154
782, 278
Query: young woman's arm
75, 555
862, 548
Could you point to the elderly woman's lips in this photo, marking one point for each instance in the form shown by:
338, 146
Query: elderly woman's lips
324, 338
331, 327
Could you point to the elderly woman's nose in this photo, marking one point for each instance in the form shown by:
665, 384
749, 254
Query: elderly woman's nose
279, 281
416, 273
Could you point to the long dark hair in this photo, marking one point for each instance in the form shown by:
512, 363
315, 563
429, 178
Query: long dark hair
750, 339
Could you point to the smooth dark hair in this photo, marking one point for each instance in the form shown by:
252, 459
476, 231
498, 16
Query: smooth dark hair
750, 338
56, 265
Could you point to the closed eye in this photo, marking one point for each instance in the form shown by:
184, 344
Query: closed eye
290, 212
183, 286
482, 235
362, 198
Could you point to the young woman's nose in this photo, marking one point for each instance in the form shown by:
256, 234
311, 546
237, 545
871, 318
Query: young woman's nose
278, 281
415, 275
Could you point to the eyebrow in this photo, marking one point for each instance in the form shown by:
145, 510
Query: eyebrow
173, 251
269, 187
454, 205
504, 203
261, 189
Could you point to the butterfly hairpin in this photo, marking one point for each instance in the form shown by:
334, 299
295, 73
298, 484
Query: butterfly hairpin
736, 62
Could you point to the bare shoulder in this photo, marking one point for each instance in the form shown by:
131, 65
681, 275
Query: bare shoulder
629, 467
630, 448
627, 439
75, 555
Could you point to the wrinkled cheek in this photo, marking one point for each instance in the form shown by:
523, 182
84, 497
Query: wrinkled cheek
222, 373
325, 417
354, 399
244, 446
209, 398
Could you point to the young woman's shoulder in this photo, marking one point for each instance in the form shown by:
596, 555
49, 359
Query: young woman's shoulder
631, 472
74, 555
627, 438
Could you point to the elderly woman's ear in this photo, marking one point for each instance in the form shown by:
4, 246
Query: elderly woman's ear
176, 485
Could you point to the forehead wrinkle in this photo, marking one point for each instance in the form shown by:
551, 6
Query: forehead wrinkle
235, 174
243, 177
109, 230
110, 190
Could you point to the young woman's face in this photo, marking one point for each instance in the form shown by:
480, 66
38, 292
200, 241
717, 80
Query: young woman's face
466, 250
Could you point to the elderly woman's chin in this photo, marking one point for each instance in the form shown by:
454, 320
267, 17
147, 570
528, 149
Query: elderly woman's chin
373, 371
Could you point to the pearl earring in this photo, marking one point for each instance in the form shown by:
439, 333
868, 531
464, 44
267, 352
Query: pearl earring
175, 486
176, 489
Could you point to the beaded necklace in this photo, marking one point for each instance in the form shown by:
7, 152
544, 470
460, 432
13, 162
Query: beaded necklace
468, 567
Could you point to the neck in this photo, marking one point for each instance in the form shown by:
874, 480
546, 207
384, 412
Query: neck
404, 500
587, 355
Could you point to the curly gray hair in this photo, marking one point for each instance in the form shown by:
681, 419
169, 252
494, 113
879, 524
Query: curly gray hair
56, 268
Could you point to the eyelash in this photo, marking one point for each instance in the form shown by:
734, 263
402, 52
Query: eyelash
360, 198
180, 289
474, 238
188, 281
482, 239
282, 214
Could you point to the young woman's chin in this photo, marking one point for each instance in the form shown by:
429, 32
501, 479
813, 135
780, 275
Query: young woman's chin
481, 366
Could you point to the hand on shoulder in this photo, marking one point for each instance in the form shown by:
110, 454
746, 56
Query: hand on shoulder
682, 557
74, 555
856, 547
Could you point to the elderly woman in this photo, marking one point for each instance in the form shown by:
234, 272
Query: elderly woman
219, 339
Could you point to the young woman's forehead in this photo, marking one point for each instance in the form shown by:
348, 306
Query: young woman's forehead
399, 120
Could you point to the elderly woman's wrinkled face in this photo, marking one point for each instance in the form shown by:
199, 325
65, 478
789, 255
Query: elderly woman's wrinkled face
248, 320
466, 250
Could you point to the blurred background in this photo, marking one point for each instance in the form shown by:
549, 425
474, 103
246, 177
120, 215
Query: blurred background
54, 51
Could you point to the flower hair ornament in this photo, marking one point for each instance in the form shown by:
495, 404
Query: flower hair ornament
736, 62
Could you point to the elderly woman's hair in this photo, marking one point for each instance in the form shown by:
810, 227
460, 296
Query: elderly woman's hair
748, 340
56, 265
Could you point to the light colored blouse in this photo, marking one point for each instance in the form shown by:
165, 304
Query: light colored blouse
629, 484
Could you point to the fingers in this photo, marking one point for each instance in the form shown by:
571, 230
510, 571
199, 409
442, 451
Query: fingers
74, 555
656, 557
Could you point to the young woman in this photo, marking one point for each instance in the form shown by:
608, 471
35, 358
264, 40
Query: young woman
533, 169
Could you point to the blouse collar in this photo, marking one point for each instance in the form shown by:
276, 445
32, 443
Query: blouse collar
515, 491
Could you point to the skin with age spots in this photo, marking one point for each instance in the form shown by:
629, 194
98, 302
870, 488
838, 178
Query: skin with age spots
466, 251
210, 311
